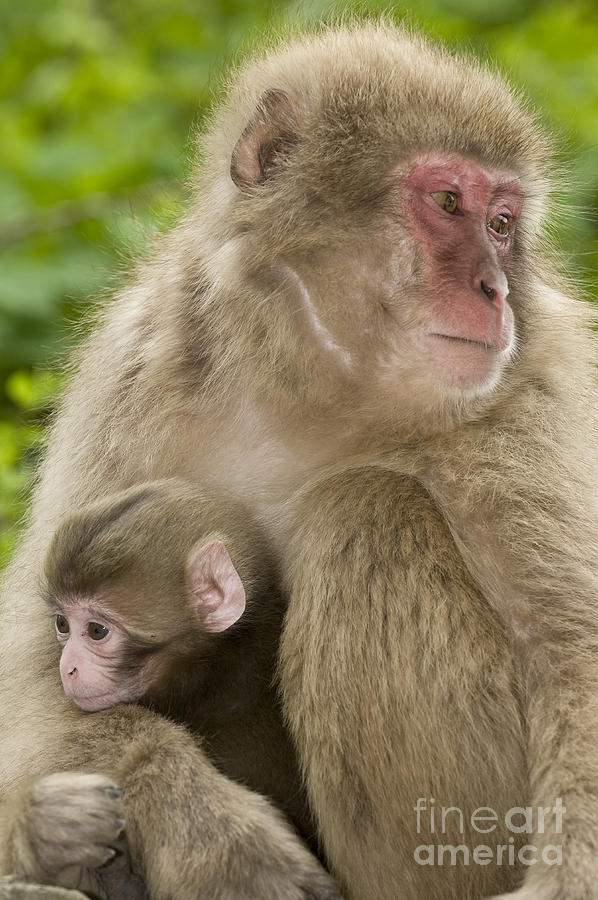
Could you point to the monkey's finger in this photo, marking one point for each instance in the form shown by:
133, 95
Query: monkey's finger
113, 792
93, 829
63, 798
92, 856
68, 782
80, 816
64, 805
59, 855
79, 802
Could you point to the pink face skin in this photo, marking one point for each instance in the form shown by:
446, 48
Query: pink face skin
468, 334
412, 310
92, 649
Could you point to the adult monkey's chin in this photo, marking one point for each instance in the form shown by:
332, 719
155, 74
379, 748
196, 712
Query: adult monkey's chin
472, 366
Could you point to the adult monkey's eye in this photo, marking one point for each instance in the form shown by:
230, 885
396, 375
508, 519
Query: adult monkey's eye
96, 631
500, 224
62, 624
446, 200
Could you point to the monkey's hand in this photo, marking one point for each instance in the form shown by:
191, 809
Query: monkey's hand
67, 827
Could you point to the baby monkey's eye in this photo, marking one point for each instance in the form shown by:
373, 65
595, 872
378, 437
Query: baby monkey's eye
446, 200
96, 631
62, 624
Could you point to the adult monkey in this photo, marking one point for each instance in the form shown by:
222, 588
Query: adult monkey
329, 330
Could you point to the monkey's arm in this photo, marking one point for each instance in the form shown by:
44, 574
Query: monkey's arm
398, 684
192, 833
526, 525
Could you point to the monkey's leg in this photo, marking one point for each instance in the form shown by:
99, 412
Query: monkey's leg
400, 687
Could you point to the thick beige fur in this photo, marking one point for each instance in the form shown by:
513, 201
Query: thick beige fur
439, 550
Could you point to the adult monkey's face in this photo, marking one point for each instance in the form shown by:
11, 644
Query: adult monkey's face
396, 212
461, 219
415, 301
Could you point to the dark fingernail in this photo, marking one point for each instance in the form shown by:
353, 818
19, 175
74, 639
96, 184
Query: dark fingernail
111, 852
114, 792
120, 823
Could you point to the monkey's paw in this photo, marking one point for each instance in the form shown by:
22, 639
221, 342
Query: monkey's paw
73, 822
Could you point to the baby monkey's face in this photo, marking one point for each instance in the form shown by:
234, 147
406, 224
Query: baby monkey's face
109, 659
95, 666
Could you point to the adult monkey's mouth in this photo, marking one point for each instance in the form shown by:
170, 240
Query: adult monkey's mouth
463, 340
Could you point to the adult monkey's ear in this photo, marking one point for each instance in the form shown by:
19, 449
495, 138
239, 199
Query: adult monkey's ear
267, 138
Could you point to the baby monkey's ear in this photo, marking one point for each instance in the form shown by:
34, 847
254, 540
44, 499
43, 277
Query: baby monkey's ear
217, 592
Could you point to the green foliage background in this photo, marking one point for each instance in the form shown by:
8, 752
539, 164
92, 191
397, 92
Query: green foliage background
97, 99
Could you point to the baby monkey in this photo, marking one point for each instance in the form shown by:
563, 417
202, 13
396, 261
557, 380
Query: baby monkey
139, 594
144, 594
145, 586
